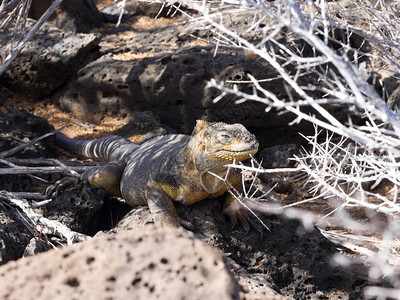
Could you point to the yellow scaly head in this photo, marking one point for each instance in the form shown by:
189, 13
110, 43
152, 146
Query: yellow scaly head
220, 143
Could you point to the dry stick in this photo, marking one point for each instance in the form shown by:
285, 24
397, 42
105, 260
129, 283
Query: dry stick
43, 170
29, 35
51, 162
24, 170
23, 146
63, 169
27, 195
41, 223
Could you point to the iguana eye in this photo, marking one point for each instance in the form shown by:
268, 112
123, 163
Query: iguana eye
225, 137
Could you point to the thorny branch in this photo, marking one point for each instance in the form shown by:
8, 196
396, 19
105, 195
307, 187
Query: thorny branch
346, 163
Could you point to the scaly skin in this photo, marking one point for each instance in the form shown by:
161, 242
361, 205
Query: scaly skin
170, 168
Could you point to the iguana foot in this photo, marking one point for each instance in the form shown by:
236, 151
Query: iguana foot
166, 219
61, 184
237, 212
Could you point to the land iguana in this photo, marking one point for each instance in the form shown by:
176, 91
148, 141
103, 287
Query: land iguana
169, 168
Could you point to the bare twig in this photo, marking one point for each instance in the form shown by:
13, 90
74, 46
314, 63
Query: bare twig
72, 171
30, 143
42, 224
346, 163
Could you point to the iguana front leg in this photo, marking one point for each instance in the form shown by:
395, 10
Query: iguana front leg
161, 206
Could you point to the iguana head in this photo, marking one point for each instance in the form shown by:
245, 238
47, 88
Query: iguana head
216, 144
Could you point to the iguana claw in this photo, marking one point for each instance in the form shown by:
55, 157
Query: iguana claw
60, 184
235, 211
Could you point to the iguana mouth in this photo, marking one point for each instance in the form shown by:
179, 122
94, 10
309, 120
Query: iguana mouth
238, 155
238, 151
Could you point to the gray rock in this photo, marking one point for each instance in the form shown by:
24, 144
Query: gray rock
142, 128
153, 9
171, 85
111, 13
78, 208
278, 156
17, 127
145, 264
47, 61
36, 245
370, 75
72, 15
14, 235
273, 260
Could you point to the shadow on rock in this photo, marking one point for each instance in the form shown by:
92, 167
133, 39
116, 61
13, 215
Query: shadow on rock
288, 259
173, 87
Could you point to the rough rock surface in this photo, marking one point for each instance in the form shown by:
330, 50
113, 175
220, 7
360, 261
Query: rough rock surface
47, 61
112, 13
18, 126
14, 236
288, 259
278, 156
171, 85
150, 263
391, 88
72, 15
78, 212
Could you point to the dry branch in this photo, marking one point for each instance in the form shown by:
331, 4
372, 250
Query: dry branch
25, 145
346, 172
41, 224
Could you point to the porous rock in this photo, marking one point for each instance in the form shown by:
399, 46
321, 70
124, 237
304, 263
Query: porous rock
17, 127
47, 61
143, 127
279, 156
78, 208
287, 259
112, 13
154, 9
171, 85
71, 15
14, 235
37, 245
150, 263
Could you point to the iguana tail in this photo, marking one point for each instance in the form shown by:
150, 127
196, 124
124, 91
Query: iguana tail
112, 148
